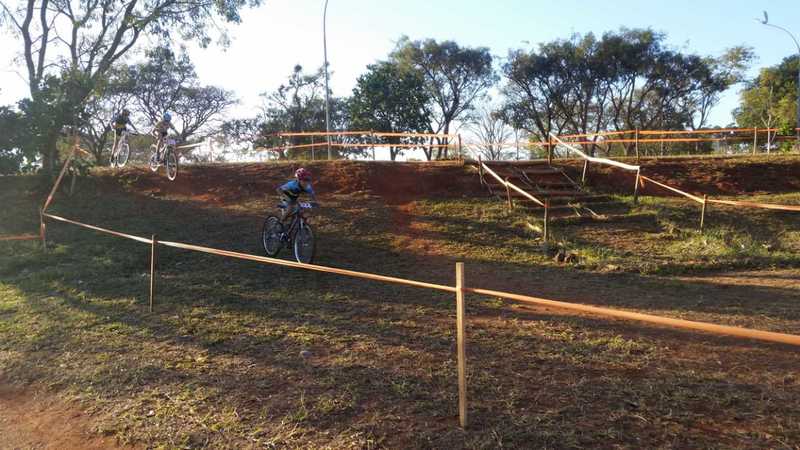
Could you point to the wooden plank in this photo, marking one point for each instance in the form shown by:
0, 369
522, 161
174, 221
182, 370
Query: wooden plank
462, 345
724, 330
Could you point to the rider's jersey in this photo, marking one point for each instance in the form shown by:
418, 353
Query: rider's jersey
120, 121
162, 127
293, 189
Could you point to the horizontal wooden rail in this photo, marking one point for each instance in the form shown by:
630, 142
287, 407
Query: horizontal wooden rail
353, 144
510, 185
745, 204
100, 229
363, 133
677, 191
21, 237
606, 161
748, 333
756, 205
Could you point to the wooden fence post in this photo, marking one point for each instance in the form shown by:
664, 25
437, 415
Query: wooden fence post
508, 193
546, 224
480, 169
585, 170
703, 212
549, 150
460, 155
42, 230
152, 270
313, 148
755, 139
461, 345
636, 187
636, 139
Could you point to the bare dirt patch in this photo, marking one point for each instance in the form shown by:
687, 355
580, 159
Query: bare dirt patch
36, 420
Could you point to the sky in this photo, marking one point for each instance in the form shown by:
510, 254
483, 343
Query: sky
282, 33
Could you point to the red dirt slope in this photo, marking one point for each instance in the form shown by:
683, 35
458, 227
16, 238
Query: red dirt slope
397, 182
404, 182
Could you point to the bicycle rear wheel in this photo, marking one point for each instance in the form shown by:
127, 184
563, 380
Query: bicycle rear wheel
304, 244
172, 164
271, 236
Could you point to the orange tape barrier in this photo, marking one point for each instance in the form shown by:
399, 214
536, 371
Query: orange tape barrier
608, 312
21, 237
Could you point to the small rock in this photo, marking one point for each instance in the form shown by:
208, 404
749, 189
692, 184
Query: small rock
305, 354
612, 267
571, 258
151, 413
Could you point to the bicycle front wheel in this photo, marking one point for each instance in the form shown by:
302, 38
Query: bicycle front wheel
271, 236
304, 244
172, 164
123, 153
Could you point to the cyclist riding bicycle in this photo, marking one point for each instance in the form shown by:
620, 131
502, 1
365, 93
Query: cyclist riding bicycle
161, 129
120, 125
292, 190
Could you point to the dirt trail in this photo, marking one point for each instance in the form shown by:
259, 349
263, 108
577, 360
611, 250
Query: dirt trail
31, 420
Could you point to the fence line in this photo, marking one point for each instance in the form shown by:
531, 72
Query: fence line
597, 310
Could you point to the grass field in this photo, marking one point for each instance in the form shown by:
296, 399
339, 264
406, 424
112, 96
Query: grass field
219, 365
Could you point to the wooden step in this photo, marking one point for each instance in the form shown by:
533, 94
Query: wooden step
547, 170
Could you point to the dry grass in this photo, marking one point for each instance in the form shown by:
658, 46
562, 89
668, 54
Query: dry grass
219, 364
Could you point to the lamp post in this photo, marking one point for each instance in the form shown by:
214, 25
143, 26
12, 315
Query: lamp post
765, 21
327, 95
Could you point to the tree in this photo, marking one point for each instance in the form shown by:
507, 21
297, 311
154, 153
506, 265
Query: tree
454, 77
769, 100
167, 82
389, 99
11, 154
625, 80
299, 105
109, 99
69, 47
492, 131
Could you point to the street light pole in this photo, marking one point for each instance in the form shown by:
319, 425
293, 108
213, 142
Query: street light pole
327, 94
765, 21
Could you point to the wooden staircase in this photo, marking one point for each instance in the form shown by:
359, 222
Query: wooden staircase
547, 183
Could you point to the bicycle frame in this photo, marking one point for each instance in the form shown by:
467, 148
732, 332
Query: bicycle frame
298, 218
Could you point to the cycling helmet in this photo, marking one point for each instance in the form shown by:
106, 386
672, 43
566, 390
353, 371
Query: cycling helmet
302, 174
167, 116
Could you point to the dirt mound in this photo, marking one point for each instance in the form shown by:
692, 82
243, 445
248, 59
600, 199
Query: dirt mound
397, 182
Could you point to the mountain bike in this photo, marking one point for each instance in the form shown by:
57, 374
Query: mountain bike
121, 153
299, 236
166, 155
